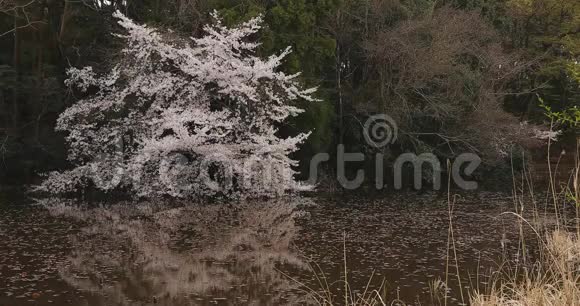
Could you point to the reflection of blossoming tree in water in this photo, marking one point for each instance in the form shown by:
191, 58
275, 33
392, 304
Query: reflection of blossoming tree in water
151, 253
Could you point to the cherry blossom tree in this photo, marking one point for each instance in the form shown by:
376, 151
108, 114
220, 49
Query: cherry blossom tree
184, 118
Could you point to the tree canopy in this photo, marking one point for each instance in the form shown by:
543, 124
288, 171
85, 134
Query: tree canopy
455, 75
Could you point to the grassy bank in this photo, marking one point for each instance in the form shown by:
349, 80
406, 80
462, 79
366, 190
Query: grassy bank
554, 278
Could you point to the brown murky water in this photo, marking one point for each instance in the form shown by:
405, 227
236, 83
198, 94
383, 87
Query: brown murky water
251, 253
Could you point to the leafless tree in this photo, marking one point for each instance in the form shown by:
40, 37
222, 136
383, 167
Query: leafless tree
19, 10
439, 76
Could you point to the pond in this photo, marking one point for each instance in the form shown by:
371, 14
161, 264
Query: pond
276, 252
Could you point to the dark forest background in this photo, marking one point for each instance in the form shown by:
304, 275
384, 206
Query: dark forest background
456, 75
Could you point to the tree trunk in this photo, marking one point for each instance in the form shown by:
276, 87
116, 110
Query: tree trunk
39, 69
64, 21
16, 64
338, 65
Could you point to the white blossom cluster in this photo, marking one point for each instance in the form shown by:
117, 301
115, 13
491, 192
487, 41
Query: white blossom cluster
183, 118
547, 135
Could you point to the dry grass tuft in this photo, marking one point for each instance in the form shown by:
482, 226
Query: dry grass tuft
555, 281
